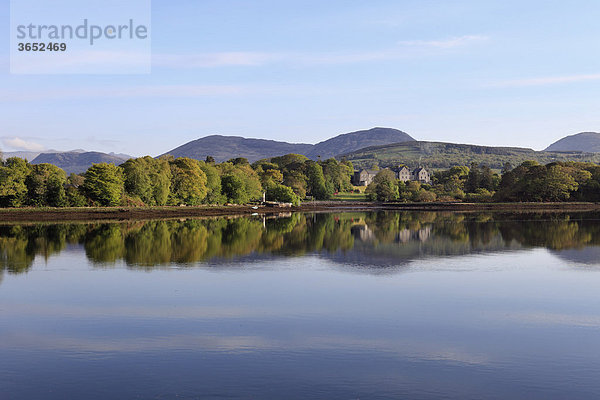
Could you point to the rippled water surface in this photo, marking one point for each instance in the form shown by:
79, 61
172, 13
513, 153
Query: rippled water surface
303, 306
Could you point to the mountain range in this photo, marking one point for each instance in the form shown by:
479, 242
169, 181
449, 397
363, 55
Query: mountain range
223, 148
382, 146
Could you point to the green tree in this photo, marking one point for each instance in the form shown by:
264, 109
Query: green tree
486, 179
384, 186
233, 189
297, 181
148, 179
213, 184
46, 186
474, 179
557, 184
278, 192
337, 175
103, 184
73, 191
533, 182
13, 190
315, 181
240, 183
188, 182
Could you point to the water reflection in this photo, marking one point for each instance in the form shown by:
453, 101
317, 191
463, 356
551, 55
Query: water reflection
376, 239
511, 320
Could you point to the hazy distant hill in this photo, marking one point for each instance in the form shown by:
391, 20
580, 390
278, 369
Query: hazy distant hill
444, 155
27, 155
78, 162
584, 141
223, 148
348, 142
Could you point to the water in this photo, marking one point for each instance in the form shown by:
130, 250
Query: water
316, 306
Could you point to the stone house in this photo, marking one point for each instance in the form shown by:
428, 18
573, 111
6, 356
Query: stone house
421, 175
403, 174
364, 177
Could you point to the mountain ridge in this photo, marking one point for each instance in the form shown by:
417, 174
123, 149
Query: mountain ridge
78, 162
223, 148
438, 155
365, 148
582, 141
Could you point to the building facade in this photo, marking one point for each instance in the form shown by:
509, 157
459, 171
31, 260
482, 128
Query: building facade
421, 175
365, 176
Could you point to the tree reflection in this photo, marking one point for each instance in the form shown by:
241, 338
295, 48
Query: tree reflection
397, 235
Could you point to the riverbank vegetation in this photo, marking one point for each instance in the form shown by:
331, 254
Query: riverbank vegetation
167, 181
529, 182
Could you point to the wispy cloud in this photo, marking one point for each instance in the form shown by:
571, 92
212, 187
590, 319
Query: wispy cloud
212, 60
118, 61
21, 144
458, 41
545, 81
153, 91
403, 49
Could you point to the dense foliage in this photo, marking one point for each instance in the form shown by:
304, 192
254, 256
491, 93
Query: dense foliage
147, 181
529, 182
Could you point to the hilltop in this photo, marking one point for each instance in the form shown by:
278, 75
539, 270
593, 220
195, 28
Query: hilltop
584, 141
77, 162
223, 148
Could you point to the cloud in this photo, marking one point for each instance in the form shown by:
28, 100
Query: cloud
118, 62
449, 43
155, 91
211, 60
21, 144
544, 81
403, 49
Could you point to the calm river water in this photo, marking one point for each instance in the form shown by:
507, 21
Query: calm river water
305, 306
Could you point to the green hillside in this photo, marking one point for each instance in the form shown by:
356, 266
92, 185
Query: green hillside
438, 155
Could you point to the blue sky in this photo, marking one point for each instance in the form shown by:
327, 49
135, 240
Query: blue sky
508, 73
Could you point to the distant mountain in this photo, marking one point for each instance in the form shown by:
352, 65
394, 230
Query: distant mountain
27, 155
584, 141
437, 155
77, 162
223, 148
348, 142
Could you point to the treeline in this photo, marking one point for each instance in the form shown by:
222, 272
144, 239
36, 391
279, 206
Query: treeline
529, 182
147, 181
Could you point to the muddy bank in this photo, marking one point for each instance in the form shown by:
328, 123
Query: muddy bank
146, 213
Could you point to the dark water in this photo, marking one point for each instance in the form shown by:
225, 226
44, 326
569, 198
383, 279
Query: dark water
325, 306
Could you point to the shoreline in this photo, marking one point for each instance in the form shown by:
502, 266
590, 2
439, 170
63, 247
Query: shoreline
149, 213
